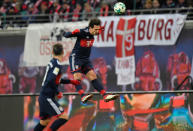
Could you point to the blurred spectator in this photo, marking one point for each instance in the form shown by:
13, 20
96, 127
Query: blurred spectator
11, 18
43, 8
169, 4
5, 6
138, 4
54, 7
75, 10
9, 8
190, 3
64, 12
44, 13
16, 4
87, 12
148, 6
27, 9
156, 5
95, 4
26, 12
76, 13
36, 5
104, 11
181, 4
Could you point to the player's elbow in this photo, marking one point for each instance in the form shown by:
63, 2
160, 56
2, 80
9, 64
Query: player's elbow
67, 34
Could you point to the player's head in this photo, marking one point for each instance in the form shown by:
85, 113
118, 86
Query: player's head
57, 50
94, 26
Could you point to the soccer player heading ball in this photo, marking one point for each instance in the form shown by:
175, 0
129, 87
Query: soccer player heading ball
79, 59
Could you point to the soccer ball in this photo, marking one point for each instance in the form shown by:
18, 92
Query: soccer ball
119, 8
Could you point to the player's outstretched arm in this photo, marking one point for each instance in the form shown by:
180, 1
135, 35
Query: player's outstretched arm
75, 33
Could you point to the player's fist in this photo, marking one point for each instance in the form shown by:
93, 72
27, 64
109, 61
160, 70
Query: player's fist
60, 95
75, 82
101, 29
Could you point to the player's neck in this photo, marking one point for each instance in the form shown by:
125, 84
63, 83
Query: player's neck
59, 58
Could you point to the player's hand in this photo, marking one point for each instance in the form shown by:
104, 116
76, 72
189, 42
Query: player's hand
75, 82
60, 95
102, 28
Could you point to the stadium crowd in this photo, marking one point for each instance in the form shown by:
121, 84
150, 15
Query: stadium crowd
75, 10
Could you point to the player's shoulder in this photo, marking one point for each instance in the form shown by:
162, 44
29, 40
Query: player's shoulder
86, 30
55, 63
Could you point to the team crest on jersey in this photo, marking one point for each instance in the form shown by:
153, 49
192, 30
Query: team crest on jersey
86, 42
56, 70
60, 108
76, 66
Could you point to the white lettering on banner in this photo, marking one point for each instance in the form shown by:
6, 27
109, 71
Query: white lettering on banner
46, 47
124, 60
41, 37
107, 37
159, 30
128, 38
155, 29
149, 30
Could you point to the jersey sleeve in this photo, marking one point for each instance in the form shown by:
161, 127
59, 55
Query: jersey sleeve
74, 33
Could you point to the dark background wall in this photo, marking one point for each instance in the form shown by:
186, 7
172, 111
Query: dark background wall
11, 113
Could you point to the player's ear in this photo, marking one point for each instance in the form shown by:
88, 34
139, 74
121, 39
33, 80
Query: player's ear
62, 53
90, 29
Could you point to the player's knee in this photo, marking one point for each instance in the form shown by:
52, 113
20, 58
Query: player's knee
91, 75
78, 76
44, 122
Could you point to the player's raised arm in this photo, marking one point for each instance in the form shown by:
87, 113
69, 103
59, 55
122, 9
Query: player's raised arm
74, 33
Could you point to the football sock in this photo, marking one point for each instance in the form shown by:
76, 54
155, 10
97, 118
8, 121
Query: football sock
57, 123
98, 86
39, 127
